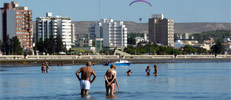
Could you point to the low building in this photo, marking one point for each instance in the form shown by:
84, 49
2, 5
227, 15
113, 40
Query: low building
99, 44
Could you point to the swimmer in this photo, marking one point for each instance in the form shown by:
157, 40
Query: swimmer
129, 72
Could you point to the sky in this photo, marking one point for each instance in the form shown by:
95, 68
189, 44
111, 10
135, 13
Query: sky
180, 11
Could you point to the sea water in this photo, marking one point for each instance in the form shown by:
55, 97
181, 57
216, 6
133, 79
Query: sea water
175, 81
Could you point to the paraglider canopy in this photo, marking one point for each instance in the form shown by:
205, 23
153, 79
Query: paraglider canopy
141, 1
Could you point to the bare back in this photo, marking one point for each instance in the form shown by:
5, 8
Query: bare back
86, 73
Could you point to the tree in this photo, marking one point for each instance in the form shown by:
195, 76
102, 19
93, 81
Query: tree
217, 48
131, 41
11, 46
59, 44
201, 51
51, 45
5, 46
40, 45
189, 49
17, 49
46, 45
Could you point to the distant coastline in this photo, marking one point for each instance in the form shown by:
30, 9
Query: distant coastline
18, 60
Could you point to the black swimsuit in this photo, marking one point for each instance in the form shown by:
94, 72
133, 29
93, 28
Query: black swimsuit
109, 80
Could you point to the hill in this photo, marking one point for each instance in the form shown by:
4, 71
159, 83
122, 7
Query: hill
82, 27
133, 27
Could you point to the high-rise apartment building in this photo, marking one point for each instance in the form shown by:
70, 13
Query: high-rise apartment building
47, 26
161, 30
114, 33
16, 20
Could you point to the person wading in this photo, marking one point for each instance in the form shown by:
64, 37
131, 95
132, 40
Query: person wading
85, 81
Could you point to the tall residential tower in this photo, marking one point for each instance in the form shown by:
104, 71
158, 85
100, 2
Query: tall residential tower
16, 20
114, 33
161, 30
47, 26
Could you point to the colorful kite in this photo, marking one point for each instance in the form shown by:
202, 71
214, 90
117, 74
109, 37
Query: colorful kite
141, 1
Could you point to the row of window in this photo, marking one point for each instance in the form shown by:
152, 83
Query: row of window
23, 12
25, 36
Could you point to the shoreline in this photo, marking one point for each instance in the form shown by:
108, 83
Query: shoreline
69, 62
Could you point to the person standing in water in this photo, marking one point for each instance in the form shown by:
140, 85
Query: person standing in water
85, 80
43, 68
155, 70
110, 80
148, 70
47, 67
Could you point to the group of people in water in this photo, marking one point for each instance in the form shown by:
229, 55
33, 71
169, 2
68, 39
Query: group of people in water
85, 81
45, 67
148, 70
110, 78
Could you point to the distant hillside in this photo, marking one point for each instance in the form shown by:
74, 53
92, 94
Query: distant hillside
82, 27
200, 27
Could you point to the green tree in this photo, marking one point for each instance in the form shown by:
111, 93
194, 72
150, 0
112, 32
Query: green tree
46, 45
59, 44
201, 51
17, 49
51, 45
217, 34
40, 45
218, 48
189, 49
5, 46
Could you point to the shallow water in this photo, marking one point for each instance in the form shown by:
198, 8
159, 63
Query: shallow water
175, 81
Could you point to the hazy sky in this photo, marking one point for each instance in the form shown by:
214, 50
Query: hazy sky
88, 10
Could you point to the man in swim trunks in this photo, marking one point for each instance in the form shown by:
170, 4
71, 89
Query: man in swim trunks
85, 81
110, 80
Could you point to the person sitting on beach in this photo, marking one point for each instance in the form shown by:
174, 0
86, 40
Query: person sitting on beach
43, 68
85, 80
155, 70
148, 70
129, 72
110, 80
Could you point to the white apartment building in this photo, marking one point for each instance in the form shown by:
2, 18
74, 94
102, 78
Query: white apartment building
114, 33
47, 26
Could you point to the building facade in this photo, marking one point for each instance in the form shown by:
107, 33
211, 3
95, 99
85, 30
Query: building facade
161, 30
114, 33
47, 26
16, 20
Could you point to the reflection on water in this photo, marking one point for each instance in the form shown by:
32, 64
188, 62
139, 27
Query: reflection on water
173, 81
